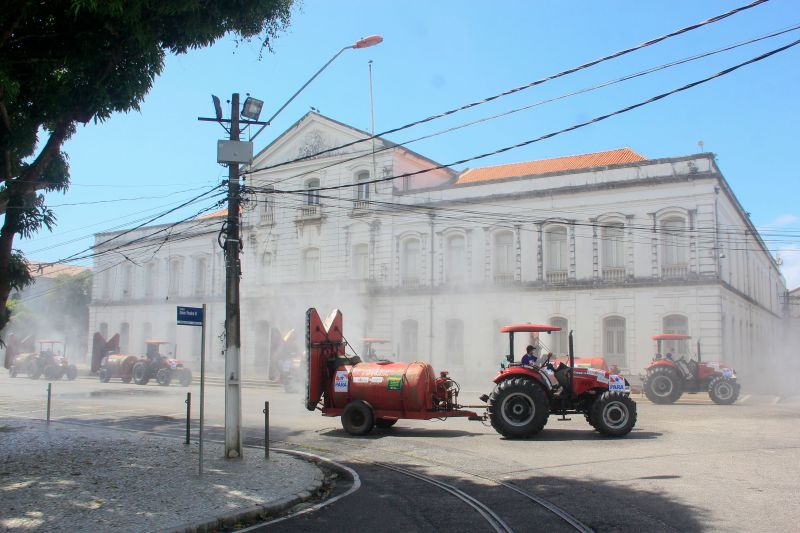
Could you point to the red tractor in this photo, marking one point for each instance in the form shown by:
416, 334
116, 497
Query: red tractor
526, 394
110, 365
380, 393
50, 361
667, 378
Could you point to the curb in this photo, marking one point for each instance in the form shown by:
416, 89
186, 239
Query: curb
253, 513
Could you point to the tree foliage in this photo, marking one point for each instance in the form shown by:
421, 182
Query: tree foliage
66, 62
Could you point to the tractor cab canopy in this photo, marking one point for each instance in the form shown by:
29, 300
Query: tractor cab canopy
153, 347
674, 339
51, 346
671, 337
532, 329
369, 351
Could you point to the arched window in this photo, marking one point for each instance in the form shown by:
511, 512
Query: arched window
409, 334
676, 324
360, 261
150, 278
613, 236
175, 274
454, 337
127, 282
557, 253
455, 259
558, 340
311, 264
362, 190
266, 267
200, 264
312, 196
674, 247
504, 257
124, 337
614, 341
147, 334
409, 273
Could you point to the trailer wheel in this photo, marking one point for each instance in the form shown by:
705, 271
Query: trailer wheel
663, 385
104, 375
358, 418
385, 423
140, 376
72, 372
723, 391
613, 414
518, 408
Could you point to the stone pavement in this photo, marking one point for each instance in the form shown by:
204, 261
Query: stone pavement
68, 477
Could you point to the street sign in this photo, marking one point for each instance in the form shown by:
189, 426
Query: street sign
190, 316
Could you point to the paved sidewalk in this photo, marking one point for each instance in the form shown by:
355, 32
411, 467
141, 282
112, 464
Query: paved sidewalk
75, 478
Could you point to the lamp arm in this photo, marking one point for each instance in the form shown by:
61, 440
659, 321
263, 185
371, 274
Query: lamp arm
289, 101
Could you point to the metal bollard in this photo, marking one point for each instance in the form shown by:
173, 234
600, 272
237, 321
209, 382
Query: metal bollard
188, 402
49, 391
266, 430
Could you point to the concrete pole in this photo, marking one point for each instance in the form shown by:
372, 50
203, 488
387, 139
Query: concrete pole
233, 394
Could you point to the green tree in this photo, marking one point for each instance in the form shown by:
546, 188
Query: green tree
65, 62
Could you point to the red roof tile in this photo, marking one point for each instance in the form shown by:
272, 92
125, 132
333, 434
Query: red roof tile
544, 166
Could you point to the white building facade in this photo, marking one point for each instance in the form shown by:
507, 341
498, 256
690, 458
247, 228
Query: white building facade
611, 245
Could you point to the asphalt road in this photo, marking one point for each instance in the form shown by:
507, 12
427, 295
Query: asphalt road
692, 466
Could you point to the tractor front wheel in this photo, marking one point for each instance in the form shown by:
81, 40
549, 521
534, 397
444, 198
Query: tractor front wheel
358, 418
164, 377
613, 414
185, 377
72, 372
663, 385
518, 408
140, 374
723, 391
104, 375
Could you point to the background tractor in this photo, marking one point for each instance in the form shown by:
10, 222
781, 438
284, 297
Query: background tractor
50, 361
668, 376
109, 364
524, 396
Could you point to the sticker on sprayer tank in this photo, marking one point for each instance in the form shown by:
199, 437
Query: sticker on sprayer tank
340, 382
394, 383
376, 379
360, 379
616, 383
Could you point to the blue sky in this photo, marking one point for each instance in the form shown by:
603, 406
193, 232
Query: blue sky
438, 55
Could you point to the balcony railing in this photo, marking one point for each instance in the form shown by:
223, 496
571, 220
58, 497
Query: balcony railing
614, 274
557, 276
309, 212
410, 283
674, 271
360, 207
267, 217
503, 278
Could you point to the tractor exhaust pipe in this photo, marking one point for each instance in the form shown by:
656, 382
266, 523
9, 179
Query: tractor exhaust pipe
571, 361
699, 357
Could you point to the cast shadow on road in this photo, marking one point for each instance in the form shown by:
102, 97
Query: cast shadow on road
409, 504
401, 432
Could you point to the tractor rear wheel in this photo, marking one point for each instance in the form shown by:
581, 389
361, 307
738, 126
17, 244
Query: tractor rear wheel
385, 423
33, 370
140, 374
53, 372
358, 418
613, 414
104, 375
518, 407
72, 372
663, 385
723, 391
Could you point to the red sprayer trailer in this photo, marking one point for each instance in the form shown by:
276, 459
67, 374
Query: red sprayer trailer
371, 394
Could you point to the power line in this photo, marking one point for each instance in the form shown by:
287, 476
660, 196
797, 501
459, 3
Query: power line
529, 85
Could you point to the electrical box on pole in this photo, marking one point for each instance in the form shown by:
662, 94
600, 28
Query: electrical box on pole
239, 152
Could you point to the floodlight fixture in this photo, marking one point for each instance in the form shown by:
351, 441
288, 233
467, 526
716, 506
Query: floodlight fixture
252, 108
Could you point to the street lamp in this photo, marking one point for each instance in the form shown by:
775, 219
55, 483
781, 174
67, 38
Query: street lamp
365, 42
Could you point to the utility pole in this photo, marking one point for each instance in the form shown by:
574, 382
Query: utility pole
233, 392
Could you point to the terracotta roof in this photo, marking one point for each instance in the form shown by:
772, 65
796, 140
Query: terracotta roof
51, 270
214, 214
544, 166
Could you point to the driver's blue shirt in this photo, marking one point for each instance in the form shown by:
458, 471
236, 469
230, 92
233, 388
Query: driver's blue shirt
528, 359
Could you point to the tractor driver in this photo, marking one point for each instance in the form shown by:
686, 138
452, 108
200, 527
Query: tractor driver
531, 356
